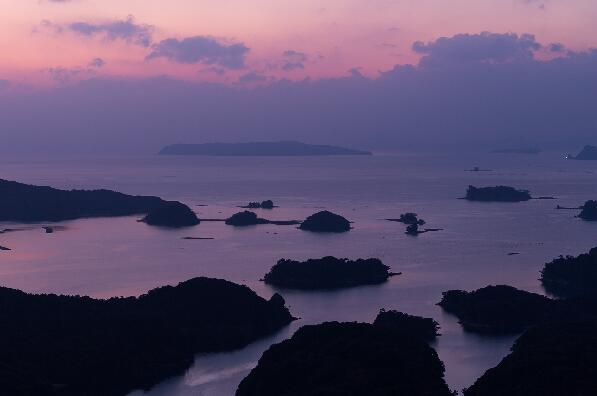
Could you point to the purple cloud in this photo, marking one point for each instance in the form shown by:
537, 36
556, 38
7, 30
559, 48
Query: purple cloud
201, 49
97, 63
294, 60
252, 77
63, 75
484, 47
126, 29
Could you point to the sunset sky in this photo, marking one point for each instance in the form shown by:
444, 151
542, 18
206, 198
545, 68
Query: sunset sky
138, 74
54, 41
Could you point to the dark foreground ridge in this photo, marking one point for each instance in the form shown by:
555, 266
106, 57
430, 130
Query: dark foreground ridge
497, 194
497, 309
283, 148
569, 275
27, 203
327, 273
347, 359
555, 360
325, 221
588, 153
172, 214
405, 324
589, 211
71, 345
246, 218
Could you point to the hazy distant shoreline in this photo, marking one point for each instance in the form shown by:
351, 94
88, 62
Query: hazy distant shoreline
282, 148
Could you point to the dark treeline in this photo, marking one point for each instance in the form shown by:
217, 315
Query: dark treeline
71, 345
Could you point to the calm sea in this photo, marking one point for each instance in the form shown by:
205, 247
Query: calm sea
119, 256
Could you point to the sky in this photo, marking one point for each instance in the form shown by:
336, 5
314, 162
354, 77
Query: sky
525, 70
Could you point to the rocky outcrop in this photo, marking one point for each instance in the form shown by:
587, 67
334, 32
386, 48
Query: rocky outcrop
172, 214
325, 221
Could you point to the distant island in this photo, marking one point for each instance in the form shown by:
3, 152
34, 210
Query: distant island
247, 218
347, 359
517, 150
283, 148
267, 204
497, 309
27, 203
569, 275
327, 273
555, 359
325, 221
588, 153
497, 194
111, 347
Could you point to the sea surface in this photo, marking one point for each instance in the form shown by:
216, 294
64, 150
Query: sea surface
120, 256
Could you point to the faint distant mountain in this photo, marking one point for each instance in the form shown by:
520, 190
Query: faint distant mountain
284, 148
517, 150
587, 153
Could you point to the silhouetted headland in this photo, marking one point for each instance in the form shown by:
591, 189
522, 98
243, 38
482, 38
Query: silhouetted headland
27, 203
83, 346
558, 359
3, 248
267, 204
497, 194
283, 148
327, 273
325, 221
171, 214
347, 359
588, 153
497, 309
405, 324
589, 211
569, 275
246, 218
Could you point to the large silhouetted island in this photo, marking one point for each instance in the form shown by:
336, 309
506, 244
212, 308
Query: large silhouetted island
569, 276
71, 345
558, 359
327, 273
283, 148
497, 309
325, 221
335, 359
497, 194
588, 153
27, 203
